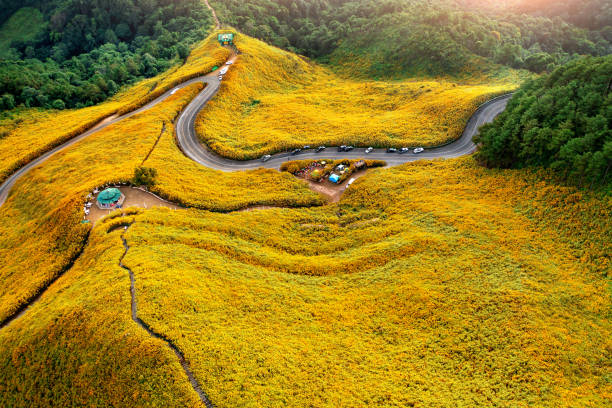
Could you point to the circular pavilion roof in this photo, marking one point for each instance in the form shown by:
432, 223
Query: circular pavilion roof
109, 196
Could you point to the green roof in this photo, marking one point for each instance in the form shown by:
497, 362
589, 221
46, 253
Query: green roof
109, 196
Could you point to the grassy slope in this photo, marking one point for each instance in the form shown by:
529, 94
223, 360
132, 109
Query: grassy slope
490, 280
23, 25
276, 101
464, 279
39, 224
80, 339
26, 134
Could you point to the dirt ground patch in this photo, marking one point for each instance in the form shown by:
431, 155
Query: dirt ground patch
133, 198
333, 192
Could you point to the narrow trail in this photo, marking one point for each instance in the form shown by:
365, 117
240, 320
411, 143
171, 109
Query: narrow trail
214, 14
194, 382
161, 133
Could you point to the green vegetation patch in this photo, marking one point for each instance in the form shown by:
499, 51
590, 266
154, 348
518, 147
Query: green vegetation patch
562, 121
398, 38
24, 25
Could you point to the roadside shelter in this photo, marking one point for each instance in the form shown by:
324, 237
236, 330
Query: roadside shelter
110, 199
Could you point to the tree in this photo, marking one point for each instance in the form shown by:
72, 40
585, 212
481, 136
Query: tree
144, 176
58, 104
7, 102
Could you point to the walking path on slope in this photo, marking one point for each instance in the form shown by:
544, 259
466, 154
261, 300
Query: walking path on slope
134, 308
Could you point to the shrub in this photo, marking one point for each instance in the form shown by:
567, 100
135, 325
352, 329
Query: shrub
144, 176
58, 104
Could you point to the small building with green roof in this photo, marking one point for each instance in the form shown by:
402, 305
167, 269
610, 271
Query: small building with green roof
110, 199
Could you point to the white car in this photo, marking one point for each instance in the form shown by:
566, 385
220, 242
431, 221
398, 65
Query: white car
369, 150
229, 63
266, 158
220, 78
418, 150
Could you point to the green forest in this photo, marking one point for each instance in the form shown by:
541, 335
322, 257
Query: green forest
86, 50
405, 37
562, 121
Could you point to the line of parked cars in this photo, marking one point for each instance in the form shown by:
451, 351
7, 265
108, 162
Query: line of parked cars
405, 150
345, 148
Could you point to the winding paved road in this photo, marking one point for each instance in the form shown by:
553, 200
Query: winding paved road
192, 148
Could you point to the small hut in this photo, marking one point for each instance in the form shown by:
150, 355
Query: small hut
109, 199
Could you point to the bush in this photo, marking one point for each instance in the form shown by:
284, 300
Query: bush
144, 176
7, 102
58, 104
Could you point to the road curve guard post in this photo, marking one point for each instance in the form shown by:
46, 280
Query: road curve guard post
226, 38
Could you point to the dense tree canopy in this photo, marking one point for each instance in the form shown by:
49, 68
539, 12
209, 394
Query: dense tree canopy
427, 36
593, 14
89, 49
562, 121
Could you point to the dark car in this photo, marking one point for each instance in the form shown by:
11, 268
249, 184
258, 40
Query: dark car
391, 150
320, 149
342, 148
348, 148
295, 151
306, 147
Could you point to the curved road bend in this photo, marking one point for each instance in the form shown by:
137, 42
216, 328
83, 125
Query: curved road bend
192, 148
5, 187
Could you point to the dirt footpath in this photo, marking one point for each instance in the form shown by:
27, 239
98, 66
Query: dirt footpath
133, 198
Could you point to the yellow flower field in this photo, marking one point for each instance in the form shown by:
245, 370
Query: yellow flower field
274, 101
438, 284
431, 284
32, 132
81, 331
39, 224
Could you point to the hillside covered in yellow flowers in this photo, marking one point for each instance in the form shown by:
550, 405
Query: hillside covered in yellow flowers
404, 283
275, 101
431, 284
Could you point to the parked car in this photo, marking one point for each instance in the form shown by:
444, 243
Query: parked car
266, 158
220, 78
295, 151
320, 149
404, 150
342, 148
369, 150
391, 150
418, 150
350, 182
306, 147
348, 148
229, 63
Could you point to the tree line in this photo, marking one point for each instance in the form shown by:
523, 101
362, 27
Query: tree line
434, 37
562, 121
89, 49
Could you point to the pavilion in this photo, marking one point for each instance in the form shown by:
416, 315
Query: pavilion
110, 199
